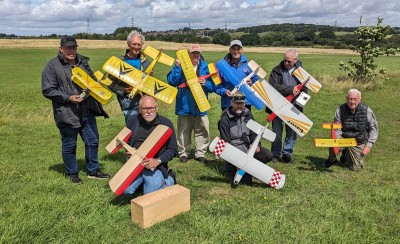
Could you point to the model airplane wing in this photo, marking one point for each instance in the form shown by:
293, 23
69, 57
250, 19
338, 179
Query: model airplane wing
89, 85
283, 108
336, 143
254, 167
232, 77
193, 81
133, 167
139, 80
302, 75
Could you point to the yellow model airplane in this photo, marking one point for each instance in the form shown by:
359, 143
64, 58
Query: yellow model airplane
133, 167
334, 142
193, 81
90, 86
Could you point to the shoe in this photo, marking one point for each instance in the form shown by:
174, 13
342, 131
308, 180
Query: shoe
287, 159
275, 159
183, 159
98, 175
201, 160
328, 163
172, 173
75, 179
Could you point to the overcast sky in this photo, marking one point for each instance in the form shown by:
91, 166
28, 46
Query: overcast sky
36, 17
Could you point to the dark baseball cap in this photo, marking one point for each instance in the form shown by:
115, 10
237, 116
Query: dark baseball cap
67, 41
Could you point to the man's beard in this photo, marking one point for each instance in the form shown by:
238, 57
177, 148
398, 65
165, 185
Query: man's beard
238, 112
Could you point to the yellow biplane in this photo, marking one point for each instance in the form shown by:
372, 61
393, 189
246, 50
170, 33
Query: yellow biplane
139, 80
90, 86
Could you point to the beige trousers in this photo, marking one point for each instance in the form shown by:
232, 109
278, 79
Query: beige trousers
200, 126
351, 155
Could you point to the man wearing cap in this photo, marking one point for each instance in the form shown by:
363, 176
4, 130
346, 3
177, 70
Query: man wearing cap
136, 58
72, 114
238, 64
283, 80
189, 116
233, 129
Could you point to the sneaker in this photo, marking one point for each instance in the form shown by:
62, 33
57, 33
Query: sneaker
75, 179
98, 175
172, 173
287, 159
328, 163
183, 159
275, 159
201, 160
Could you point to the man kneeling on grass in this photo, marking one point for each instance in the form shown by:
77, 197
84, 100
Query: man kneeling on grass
155, 175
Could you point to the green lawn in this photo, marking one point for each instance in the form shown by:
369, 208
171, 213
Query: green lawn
39, 205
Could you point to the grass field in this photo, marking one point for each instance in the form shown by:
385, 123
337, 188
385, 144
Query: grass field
39, 205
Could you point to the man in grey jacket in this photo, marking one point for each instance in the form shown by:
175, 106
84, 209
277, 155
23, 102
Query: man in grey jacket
72, 114
233, 129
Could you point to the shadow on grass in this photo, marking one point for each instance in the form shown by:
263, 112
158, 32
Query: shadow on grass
315, 164
120, 157
60, 168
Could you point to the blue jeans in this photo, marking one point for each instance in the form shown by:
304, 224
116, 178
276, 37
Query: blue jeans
90, 136
290, 139
129, 112
151, 180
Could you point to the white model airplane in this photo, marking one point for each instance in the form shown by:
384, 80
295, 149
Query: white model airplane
304, 77
246, 162
132, 168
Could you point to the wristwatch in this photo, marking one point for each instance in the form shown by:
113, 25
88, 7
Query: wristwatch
159, 160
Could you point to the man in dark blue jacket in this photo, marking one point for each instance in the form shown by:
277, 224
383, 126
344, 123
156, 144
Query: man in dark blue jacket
283, 80
72, 114
155, 175
189, 116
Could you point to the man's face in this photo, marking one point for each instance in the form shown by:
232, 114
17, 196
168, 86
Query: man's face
237, 108
352, 101
69, 53
148, 109
195, 57
236, 51
136, 45
290, 60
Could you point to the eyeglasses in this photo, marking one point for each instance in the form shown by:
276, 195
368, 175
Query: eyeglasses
238, 97
289, 61
149, 109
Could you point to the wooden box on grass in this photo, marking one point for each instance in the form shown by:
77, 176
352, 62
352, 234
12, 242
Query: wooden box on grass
160, 205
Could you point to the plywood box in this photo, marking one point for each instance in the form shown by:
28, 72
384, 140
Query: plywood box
160, 205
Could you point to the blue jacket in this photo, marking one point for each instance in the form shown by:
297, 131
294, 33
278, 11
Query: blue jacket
242, 69
185, 103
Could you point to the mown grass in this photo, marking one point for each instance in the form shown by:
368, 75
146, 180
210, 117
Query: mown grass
335, 205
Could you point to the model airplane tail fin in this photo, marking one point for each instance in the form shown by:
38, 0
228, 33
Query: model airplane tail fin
257, 69
115, 144
257, 128
159, 56
102, 78
212, 68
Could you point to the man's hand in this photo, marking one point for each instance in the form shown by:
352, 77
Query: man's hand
128, 90
228, 93
365, 151
202, 81
296, 91
249, 82
75, 99
177, 62
150, 163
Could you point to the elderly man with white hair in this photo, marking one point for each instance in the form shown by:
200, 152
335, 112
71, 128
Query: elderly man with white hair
359, 122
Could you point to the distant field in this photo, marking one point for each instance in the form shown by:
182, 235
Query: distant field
111, 44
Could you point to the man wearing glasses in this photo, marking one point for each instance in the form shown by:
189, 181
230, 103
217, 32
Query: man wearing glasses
155, 175
285, 83
233, 130
72, 114
238, 64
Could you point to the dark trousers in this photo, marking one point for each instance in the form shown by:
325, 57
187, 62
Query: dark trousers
90, 136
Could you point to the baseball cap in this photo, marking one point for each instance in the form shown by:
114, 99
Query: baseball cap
67, 41
238, 97
235, 42
194, 48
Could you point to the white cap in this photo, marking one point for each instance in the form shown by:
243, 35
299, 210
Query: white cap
235, 42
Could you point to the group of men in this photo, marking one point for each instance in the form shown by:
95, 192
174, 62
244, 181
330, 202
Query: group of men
74, 115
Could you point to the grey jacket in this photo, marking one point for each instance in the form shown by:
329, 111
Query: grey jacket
58, 87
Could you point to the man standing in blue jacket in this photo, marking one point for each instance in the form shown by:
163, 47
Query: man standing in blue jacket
189, 116
239, 64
